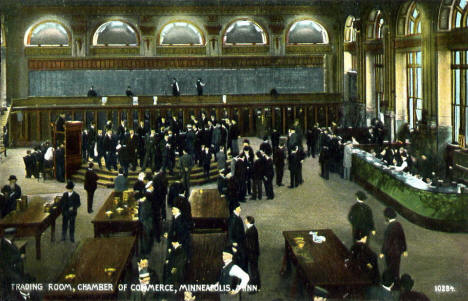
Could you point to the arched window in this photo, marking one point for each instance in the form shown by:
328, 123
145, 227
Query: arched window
181, 33
115, 33
375, 24
350, 31
307, 32
244, 32
460, 14
49, 33
413, 25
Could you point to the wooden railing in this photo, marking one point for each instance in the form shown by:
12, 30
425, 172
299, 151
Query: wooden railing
256, 114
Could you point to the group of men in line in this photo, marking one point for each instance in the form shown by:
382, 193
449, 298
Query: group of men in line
43, 158
389, 286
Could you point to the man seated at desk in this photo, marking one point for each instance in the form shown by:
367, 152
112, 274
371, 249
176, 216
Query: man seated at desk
11, 264
10, 193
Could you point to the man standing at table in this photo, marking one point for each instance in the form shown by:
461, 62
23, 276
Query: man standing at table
70, 202
394, 245
11, 193
360, 217
90, 185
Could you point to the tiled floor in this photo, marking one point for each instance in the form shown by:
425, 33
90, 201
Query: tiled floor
435, 258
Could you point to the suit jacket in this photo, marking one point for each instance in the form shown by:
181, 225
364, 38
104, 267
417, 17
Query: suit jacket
206, 158
269, 172
176, 259
251, 243
132, 145
236, 232
258, 169
110, 143
275, 138
70, 203
378, 293
90, 180
186, 162
394, 240
360, 217
278, 157
180, 229
266, 148
221, 158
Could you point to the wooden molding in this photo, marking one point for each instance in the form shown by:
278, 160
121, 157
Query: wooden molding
234, 50
181, 50
131, 50
408, 42
349, 46
306, 49
147, 30
174, 62
213, 29
373, 46
47, 51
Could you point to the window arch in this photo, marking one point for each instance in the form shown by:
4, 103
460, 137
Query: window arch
413, 22
48, 33
244, 32
307, 32
350, 30
460, 14
181, 33
116, 33
376, 23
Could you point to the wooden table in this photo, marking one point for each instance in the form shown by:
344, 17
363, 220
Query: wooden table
206, 262
209, 210
326, 265
117, 223
88, 264
33, 221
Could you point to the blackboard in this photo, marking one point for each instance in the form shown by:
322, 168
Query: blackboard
157, 82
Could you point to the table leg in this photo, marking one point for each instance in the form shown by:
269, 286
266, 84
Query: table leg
38, 246
52, 231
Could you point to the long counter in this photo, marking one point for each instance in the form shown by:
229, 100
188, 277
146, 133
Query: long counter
437, 208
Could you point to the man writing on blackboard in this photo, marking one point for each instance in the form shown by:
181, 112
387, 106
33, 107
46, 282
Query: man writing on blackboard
199, 85
175, 87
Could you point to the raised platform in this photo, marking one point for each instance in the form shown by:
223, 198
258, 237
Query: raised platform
106, 177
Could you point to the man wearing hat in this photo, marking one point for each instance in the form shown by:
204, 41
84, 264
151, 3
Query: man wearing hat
231, 271
175, 264
182, 202
145, 276
236, 232
11, 193
69, 202
11, 264
394, 245
406, 294
90, 185
186, 165
179, 231
360, 217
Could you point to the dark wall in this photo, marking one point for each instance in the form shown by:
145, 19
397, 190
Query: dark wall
157, 82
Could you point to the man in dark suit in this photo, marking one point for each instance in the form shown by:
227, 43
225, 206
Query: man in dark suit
406, 294
233, 135
236, 233
150, 151
92, 92
186, 164
145, 216
60, 163
156, 206
252, 250
60, 129
182, 203
146, 276
324, 160
124, 158
121, 131
394, 245
175, 264
129, 92
179, 231
141, 134
84, 145
29, 163
90, 185
11, 193
257, 176
70, 202
11, 264
360, 217
366, 259
293, 140
265, 146
101, 152
110, 144
91, 140
216, 138
268, 174
132, 145
383, 292
294, 166
275, 139
279, 156
206, 161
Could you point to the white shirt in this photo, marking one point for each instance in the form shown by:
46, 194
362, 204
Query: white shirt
237, 272
401, 167
249, 226
49, 155
70, 193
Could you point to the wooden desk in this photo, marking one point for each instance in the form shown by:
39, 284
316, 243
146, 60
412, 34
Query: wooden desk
117, 223
209, 209
88, 264
206, 263
33, 221
324, 264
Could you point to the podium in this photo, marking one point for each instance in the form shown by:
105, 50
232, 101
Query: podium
72, 143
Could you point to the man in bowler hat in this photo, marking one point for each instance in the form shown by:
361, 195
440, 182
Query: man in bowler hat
70, 202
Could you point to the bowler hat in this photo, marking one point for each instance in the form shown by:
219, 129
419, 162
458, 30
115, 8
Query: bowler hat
389, 213
233, 205
70, 185
228, 250
361, 195
12, 177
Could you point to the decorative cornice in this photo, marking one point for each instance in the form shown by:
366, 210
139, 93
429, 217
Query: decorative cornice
147, 30
373, 46
349, 46
277, 28
263, 49
47, 51
213, 29
454, 39
174, 62
181, 50
305, 49
115, 50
